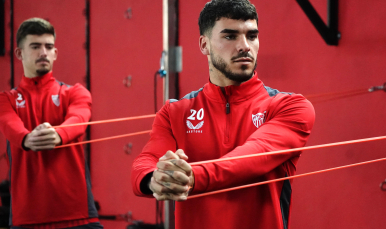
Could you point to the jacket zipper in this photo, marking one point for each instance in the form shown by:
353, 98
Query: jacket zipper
228, 108
38, 102
228, 118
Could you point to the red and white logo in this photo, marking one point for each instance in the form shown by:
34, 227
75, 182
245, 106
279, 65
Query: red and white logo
192, 127
55, 99
258, 119
20, 103
199, 115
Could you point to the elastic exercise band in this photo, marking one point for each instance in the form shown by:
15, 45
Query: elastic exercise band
103, 139
285, 178
291, 150
106, 121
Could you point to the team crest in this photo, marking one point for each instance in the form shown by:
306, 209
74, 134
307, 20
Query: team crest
258, 119
55, 99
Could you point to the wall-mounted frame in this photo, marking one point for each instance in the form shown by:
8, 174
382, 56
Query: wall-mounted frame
329, 32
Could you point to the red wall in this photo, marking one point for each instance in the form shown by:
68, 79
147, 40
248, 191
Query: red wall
70, 66
122, 47
5, 73
293, 57
119, 47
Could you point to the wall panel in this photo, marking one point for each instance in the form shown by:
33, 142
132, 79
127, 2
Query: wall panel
126, 40
69, 22
5, 75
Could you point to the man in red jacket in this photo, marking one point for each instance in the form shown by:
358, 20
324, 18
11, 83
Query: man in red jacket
232, 115
50, 188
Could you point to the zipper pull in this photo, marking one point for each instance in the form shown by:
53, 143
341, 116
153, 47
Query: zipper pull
228, 109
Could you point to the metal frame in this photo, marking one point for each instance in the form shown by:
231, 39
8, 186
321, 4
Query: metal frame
170, 49
329, 32
2, 27
87, 79
12, 56
171, 88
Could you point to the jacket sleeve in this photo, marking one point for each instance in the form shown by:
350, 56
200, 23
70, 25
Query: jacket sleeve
78, 110
161, 140
288, 126
10, 123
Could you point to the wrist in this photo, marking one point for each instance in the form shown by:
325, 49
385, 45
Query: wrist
24, 143
145, 184
191, 182
58, 140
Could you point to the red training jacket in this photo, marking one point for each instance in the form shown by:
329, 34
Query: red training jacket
210, 124
50, 186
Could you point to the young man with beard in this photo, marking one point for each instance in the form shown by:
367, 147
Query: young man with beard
232, 115
50, 188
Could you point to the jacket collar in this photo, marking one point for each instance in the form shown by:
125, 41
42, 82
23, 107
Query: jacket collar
37, 81
234, 93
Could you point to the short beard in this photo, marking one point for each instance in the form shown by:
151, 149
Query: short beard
42, 72
221, 65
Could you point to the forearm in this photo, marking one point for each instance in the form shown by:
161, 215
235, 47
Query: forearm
289, 129
69, 134
11, 125
78, 111
227, 174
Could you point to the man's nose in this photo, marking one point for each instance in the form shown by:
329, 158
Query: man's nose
243, 44
43, 51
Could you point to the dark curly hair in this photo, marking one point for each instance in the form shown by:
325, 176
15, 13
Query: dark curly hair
232, 9
33, 26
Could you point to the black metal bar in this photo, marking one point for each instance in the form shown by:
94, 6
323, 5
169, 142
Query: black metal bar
88, 77
87, 14
173, 43
330, 35
177, 40
11, 25
173, 84
2, 28
332, 15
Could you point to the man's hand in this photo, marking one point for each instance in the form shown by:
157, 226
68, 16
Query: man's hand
173, 177
43, 137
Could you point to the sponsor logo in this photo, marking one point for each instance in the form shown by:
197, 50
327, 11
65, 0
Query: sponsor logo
55, 99
258, 119
20, 103
194, 129
199, 115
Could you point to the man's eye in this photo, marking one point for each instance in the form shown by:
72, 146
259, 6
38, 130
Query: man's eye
35, 47
230, 37
252, 37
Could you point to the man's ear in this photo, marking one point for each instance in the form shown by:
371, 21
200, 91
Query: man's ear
56, 54
204, 45
18, 53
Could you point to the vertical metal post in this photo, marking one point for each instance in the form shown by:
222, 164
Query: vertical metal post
332, 15
12, 79
2, 27
175, 52
165, 29
88, 77
173, 65
170, 42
